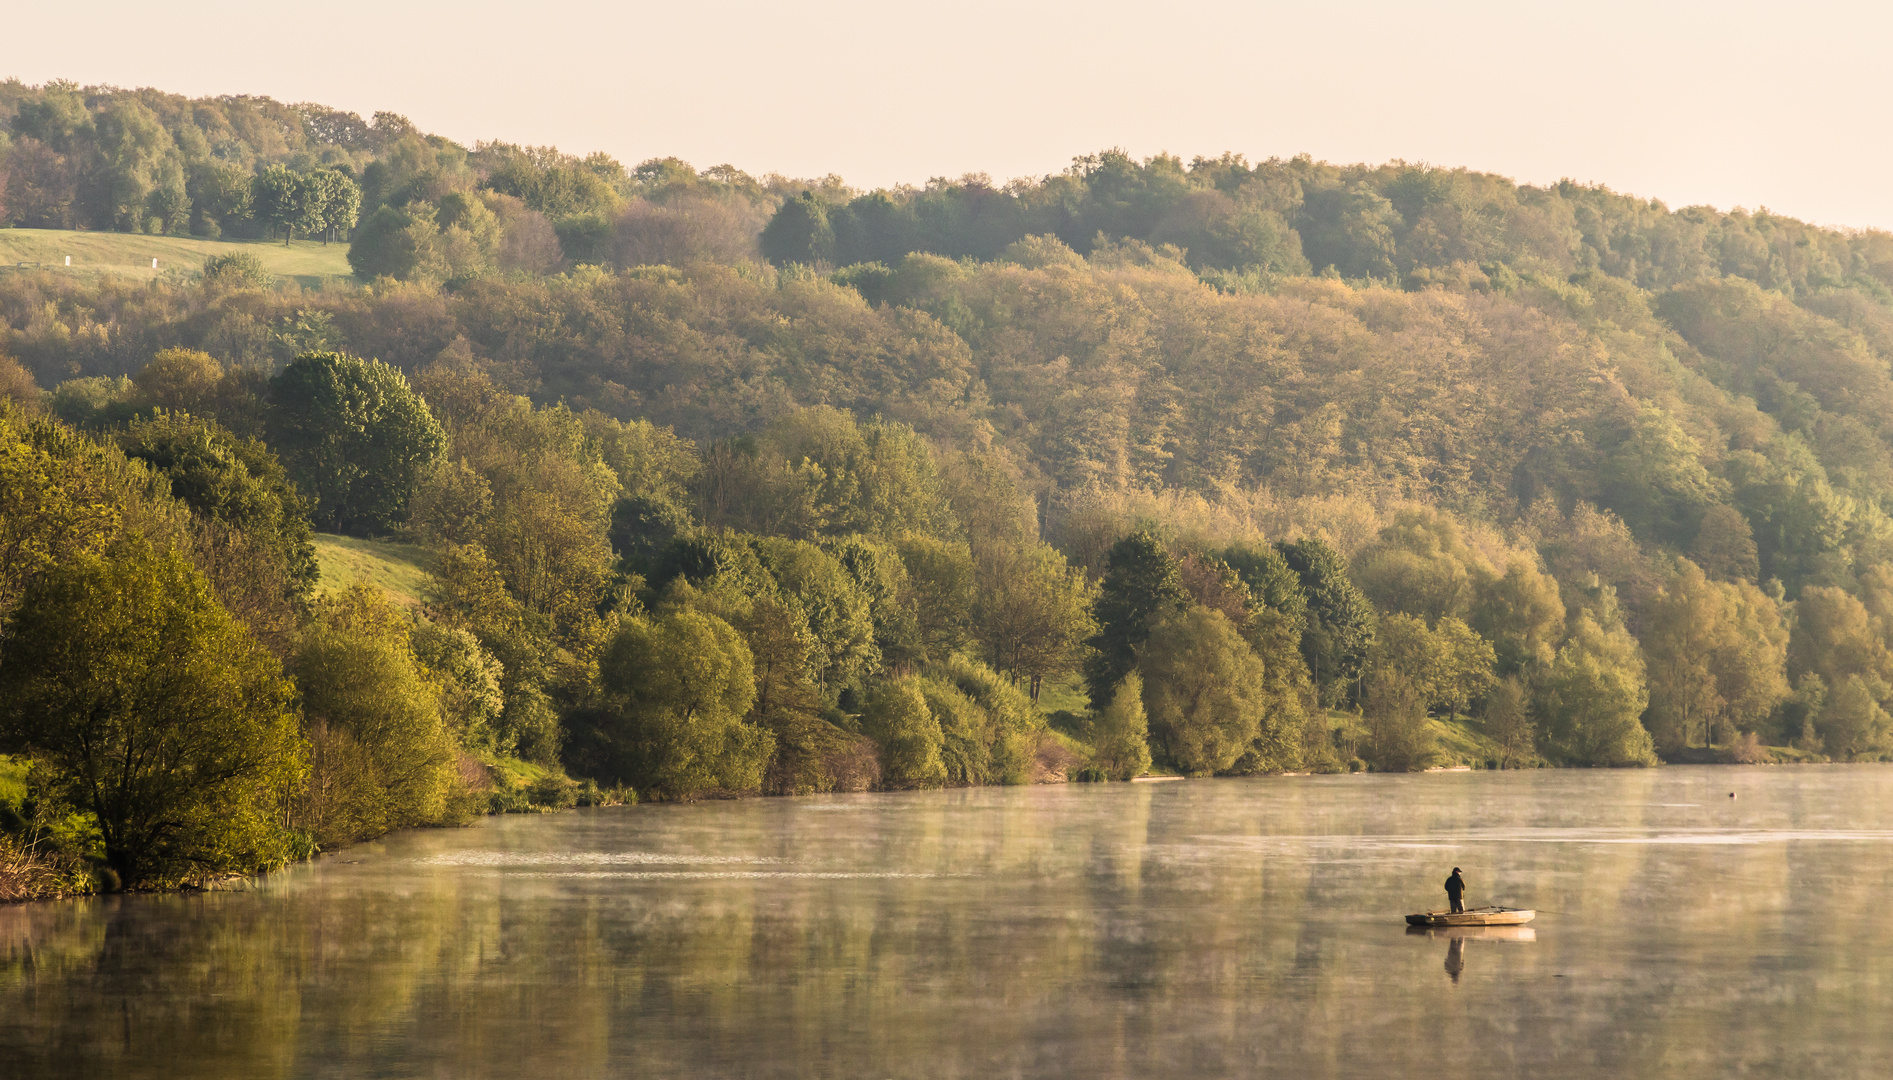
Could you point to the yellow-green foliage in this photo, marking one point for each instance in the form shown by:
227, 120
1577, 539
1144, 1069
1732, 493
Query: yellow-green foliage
1208, 697
382, 756
1595, 694
1449, 664
1717, 653
13, 778
899, 721
1400, 738
51, 502
155, 710
681, 684
1011, 726
308, 262
402, 571
988, 728
963, 738
1121, 733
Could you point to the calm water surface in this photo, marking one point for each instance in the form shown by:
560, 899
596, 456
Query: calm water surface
1207, 928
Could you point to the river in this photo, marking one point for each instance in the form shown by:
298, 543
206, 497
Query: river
1245, 927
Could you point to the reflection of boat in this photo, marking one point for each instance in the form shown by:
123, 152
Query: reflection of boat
1485, 916
1475, 933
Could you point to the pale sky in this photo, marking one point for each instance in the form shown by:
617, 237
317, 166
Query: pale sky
1735, 103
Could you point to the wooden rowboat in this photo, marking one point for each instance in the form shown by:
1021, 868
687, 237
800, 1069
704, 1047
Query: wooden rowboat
1485, 916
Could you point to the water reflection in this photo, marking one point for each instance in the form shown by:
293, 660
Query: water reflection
1457, 936
1242, 927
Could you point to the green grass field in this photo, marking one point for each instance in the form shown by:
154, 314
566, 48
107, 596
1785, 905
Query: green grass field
308, 262
12, 779
1460, 744
1067, 693
400, 569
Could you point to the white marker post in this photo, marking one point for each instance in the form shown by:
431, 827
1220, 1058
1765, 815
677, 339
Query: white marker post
154, 264
68, 260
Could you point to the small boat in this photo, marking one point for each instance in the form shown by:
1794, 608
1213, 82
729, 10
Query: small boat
1484, 916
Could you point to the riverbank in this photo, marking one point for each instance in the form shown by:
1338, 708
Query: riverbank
47, 856
51, 860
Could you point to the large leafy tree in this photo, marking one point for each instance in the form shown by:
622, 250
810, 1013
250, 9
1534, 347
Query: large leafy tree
354, 436
800, 232
941, 578
900, 722
1141, 583
1340, 618
1399, 738
280, 199
838, 612
1594, 695
334, 202
155, 711
48, 510
1208, 697
382, 754
388, 244
1120, 736
1448, 665
1837, 637
1851, 721
237, 482
1033, 612
1717, 654
1273, 585
679, 688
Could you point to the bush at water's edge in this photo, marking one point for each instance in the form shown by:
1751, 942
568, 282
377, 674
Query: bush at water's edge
48, 858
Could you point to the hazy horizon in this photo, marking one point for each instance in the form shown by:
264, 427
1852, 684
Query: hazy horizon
1728, 105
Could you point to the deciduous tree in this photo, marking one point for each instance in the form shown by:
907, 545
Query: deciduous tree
1120, 735
681, 684
1206, 695
1032, 614
354, 436
1141, 583
155, 712
1594, 694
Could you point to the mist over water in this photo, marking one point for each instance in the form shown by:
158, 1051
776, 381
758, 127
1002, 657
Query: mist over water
1210, 928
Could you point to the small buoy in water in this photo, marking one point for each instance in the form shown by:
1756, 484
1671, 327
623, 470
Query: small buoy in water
1731, 794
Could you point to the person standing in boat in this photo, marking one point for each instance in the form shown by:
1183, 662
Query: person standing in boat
1456, 888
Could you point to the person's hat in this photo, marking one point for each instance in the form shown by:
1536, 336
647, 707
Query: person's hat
1455, 869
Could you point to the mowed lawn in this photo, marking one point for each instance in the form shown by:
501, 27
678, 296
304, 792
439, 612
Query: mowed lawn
401, 570
309, 262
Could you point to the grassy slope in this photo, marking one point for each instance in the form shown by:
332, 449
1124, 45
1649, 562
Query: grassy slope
1460, 744
401, 569
1067, 693
309, 262
12, 779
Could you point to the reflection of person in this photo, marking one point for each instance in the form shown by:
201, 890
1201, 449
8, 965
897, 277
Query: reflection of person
1455, 957
1455, 888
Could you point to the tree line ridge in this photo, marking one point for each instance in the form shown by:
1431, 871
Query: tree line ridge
738, 485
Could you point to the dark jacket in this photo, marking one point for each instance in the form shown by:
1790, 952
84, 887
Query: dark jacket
1455, 885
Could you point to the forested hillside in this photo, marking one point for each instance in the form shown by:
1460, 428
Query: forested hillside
734, 485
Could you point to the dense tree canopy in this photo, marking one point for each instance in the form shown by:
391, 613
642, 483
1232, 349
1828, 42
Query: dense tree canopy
735, 484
